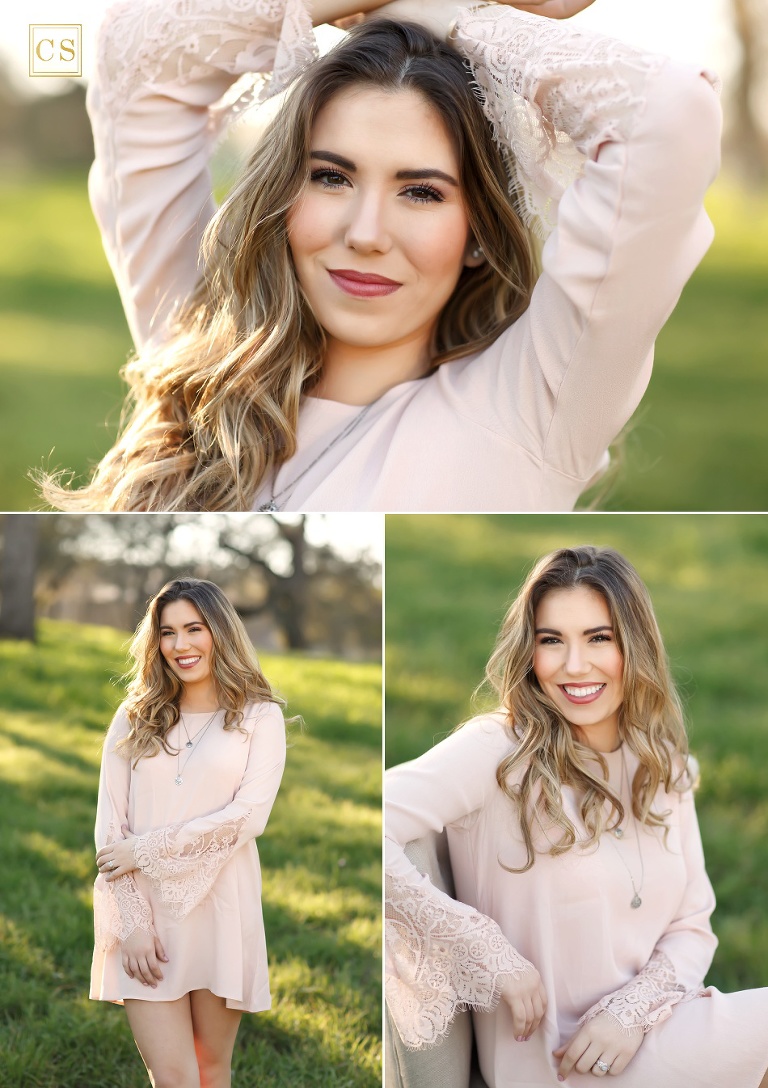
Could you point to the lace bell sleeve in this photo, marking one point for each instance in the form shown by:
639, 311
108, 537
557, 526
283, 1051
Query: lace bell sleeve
184, 859
609, 151
119, 907
675, 972
155, 103
442, 955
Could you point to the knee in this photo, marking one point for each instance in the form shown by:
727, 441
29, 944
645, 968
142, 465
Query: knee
175, 1076
214, 1073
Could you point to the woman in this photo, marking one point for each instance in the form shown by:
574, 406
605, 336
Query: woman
581, 899
192, 763
360, 329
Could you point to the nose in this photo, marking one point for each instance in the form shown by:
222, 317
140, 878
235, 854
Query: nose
576, 663
367, 230
182, 641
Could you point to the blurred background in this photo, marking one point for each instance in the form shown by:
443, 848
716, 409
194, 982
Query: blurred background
449, 582
697, 442
71, 590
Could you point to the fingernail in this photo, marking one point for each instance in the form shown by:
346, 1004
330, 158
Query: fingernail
520, 1038
559, 1077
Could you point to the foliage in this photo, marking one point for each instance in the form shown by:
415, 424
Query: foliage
696, 443
320, 859
449, 582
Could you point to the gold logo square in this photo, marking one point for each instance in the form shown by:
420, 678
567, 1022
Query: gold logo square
56, 49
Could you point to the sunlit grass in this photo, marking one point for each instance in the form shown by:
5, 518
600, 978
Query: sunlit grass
320, 861
696, 444
449, 582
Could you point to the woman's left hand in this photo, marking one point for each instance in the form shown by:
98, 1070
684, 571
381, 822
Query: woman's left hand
603, 1039
117, 859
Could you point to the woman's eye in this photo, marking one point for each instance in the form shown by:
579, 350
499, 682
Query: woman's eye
549, 640
331, 179
424, 194
601, 638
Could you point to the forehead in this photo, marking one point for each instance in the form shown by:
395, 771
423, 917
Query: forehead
370, 125
178, 613
580, 607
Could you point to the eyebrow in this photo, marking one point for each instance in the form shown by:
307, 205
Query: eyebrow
401, 175
589, 630
192, 623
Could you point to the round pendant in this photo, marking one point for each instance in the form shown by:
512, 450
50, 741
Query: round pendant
269, 506
188, 744
635, 902
179, 779
618, 833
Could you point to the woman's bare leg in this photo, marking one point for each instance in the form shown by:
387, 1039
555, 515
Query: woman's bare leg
764, 1081
164, 1036
215, 1028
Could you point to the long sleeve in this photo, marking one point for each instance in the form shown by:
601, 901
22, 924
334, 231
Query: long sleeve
155, 105
119, 907
682, 956
442, 955
184, 859
610, 152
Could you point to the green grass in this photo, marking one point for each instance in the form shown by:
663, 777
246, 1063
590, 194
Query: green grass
449, 582
696, 443
320, 856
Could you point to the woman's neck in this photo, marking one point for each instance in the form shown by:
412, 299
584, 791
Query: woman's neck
199, 698
360, 375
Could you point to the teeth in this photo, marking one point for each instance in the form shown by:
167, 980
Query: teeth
186, 660
591, 689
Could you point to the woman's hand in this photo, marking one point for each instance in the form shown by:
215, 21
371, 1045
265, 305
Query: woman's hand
438, 16
600, 1038
527, 1000
117, 859
141, 953
553, 9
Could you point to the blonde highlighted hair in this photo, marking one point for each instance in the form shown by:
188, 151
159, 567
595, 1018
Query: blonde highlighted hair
154, 691
547, 750
213, 411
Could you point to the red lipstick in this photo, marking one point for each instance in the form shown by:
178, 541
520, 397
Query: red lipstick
362, 284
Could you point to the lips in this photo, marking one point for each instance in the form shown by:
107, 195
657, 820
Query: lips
582, 693
187, 662
362, 284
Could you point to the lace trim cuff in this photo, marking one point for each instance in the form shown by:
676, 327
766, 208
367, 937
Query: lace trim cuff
443, 956
119, 908
184, 872
647, 1000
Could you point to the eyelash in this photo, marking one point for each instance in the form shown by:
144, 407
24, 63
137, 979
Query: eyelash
550, 640
433, 195
191, 630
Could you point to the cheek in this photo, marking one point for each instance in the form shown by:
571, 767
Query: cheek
438, 245
310, 226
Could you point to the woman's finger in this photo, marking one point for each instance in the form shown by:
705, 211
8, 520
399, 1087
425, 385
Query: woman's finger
588, 1058
146, 974
160, 951
571, 1055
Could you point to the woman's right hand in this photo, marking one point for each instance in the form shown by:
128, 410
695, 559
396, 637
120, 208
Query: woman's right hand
527, 1000
141, 954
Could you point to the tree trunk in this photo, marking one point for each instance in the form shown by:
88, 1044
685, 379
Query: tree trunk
17, 580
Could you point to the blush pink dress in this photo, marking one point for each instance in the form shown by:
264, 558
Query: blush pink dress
571, 917
198, 881
610, 151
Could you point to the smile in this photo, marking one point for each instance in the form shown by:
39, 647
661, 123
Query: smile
187, 662
362, 285
581, 693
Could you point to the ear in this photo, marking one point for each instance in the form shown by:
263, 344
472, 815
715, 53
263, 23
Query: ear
473, 254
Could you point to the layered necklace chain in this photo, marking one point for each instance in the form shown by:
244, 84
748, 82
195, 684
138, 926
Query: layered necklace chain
618, 832
190, 743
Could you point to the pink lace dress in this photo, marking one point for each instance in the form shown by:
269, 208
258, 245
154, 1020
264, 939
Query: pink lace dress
610, 151
571, 917
198, 881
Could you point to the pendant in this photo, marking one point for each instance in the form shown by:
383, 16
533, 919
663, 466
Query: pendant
618, 833
179, 780
270, 506
188, 744
635, 902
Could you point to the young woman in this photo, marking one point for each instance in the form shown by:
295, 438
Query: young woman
192, 763
582, 900
360, 326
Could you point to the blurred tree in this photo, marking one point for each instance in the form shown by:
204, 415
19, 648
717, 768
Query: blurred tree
17, 577
748, 136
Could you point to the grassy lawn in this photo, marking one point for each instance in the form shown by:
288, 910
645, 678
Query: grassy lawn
695, 444
449, 582
320, 856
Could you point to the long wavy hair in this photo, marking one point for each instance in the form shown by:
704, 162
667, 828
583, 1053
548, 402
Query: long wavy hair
547, 749
154, 691
213, 410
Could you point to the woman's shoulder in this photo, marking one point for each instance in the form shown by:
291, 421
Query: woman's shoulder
262, 714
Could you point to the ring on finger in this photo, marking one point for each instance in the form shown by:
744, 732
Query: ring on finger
601, 1065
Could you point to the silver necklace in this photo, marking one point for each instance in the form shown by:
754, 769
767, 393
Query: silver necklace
272, 506
636, 901
190, 744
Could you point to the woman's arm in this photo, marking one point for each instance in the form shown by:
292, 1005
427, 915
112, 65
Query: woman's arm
443, 955
119, 907
184, 859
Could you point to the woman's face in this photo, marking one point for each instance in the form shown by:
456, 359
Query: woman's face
381, 233
578, 663
186, 642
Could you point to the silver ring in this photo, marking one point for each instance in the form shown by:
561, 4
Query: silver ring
113, 865
601, 1065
